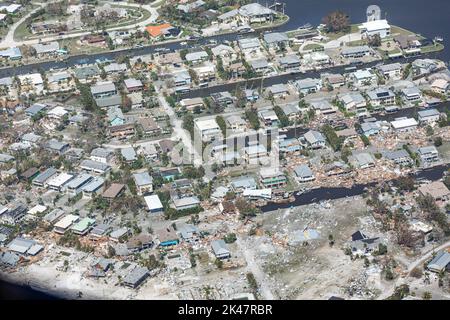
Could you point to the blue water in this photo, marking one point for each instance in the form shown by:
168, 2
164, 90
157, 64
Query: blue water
429, 18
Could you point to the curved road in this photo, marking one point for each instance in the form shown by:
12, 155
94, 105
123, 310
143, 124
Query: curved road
10, 42
411, 266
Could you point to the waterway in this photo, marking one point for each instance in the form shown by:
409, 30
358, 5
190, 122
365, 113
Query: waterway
428, 18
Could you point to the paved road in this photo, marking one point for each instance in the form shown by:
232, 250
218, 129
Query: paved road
418, 262
9, 40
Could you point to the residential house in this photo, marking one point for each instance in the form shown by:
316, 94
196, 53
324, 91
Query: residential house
428, 116
114, 191
185, 203
208, 129
276, 40
269, 117
436, 189
391, 71
404, 124
308, 85
144, 182
272, 178
440, 86
94, 166
290, 62
260, 66
220, 249
376, 27
353, 100
364, 77
381, 96
154, 204
115, 116
102, 155
356, 52
304, 173
400, 157
315, 139
428, 154
412, 94
93, 188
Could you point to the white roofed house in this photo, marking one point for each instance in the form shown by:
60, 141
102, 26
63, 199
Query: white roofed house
129, 154
308, 85
356, 52
363, 77
429, 116
391, 71
404, 124
133, 85
154, 204
196, 57
255, 13
49, 48
428, 154
412, 95
206, 72
65, 223
260, 66
317, 58
290, 62
269, 117
220, 249
115, 68
144, 182
31, 83
440, 86
75, 186
315, 139
371, 28
102, 155
58, 182
208, 129
353, 100
223, 51
381, 96
272, 178
57, 113
190, 104
276, 40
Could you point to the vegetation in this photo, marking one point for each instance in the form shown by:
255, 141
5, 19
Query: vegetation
284, 120
336, 21
332, 138
252, 117
222, 124
230, 238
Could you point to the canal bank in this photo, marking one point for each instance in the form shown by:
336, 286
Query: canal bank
420, 18
324, 194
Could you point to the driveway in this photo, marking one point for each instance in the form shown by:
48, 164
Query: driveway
10, 42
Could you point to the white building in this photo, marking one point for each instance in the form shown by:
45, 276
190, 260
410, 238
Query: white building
208, 129
371, 28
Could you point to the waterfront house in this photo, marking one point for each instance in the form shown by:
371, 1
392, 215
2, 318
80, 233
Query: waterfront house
428, 116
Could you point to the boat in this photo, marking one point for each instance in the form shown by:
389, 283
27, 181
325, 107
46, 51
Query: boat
306, 26
439, 39
183, 43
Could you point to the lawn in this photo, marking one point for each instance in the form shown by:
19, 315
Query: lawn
336, 35
313, 47
432, 48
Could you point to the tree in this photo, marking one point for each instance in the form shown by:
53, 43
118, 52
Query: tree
438, 141
222, 125
252, 117
188, 124
284, 120
336, 21
375, 40
426, 295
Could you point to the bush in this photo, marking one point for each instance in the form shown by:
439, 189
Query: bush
230, 238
